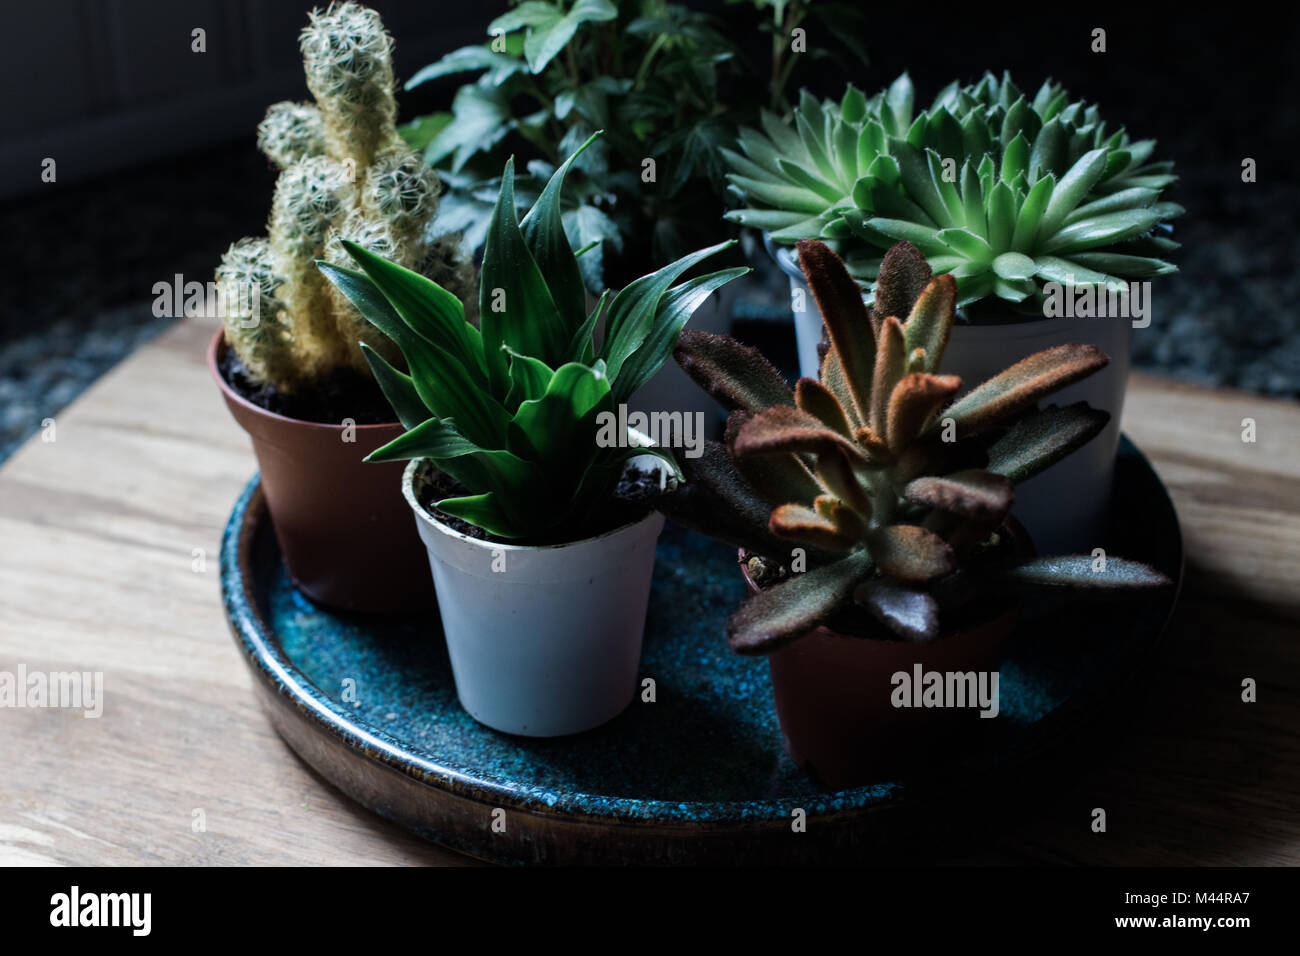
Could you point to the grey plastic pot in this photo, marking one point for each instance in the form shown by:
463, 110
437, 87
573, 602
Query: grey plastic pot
544, 641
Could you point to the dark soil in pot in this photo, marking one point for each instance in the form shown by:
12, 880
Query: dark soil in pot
344, 393
836, 691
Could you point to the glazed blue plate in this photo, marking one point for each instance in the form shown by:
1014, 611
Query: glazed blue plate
698, 774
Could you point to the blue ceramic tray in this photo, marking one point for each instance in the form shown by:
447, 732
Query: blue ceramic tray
697, 776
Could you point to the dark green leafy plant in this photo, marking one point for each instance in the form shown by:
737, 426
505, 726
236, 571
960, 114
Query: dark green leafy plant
666, 82
510, 409
840, 29
897, 494
1002, 191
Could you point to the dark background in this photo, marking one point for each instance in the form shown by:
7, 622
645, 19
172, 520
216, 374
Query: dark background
158, 170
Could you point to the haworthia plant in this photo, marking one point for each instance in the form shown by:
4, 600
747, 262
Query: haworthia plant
510, 409
1003, 191
897, 494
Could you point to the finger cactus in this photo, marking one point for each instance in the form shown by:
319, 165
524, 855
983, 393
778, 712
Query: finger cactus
896, 490
345, 175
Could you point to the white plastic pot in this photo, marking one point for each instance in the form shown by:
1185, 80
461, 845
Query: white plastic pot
807, 320
1064, 508
544, 641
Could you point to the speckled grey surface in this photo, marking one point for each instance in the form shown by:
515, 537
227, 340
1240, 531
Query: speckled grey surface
707, 751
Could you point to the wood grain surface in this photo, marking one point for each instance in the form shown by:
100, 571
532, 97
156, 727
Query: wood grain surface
108, 562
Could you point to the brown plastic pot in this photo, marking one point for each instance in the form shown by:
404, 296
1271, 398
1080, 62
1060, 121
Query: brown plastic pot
343, 526
834, 695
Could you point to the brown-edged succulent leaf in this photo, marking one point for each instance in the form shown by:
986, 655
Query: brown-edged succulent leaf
833, 377
1024, 384
930, 321
789, 610
817, 400
716, 500
872, 444
1081, 572
1041, 439
910, 613
784, 429
848, 521
837, 473
903, 275
973, 494
908, 552
778, 478
736, 375
914, 402
891, 359
800, 523
839, 299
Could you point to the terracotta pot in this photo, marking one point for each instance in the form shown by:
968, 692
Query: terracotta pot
836, 696
343, 527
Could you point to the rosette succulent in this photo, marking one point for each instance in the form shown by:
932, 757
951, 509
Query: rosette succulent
511, 409
1000, 190
895, 496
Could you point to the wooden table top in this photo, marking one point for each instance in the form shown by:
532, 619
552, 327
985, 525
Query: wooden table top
98, 536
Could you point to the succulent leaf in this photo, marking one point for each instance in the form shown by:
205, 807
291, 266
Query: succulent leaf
816, 399
1024, 384
1082, 572
783, 429
802, 523
776, 477
913, 404
1038, 441
910, 553
973, 493
736, 375
786, 611
911, 613
929, 323
891, 363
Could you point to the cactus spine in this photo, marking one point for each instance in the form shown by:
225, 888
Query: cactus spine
345, 174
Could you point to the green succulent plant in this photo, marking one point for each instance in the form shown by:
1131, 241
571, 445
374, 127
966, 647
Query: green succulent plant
1000, 190
346, 175
511, 409
897, 494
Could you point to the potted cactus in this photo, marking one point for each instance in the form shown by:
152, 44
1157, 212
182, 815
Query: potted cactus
542, 570
872, 506
289, 359
1026, 202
